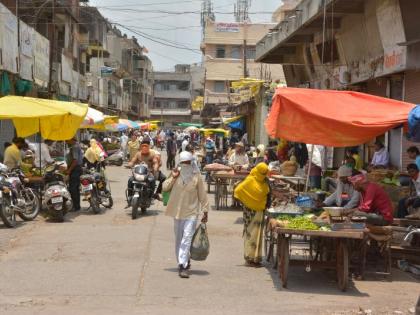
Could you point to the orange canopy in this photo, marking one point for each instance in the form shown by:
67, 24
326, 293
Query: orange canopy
333, 118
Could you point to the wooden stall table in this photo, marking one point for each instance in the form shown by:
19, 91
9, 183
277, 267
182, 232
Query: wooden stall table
340, 239
296, 181
222, 180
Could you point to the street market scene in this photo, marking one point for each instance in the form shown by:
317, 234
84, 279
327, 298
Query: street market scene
210, 157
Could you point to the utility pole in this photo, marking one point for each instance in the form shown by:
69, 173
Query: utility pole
245, 60
52, 50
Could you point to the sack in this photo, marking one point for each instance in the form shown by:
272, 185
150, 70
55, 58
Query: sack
200, 246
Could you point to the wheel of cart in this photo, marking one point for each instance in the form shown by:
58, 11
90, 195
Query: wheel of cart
342, 261
283, 248
270, 242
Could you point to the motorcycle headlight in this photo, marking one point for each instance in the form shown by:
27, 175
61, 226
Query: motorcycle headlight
139, 178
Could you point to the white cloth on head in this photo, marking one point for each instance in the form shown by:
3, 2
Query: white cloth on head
185, 156
184, 232
344, 171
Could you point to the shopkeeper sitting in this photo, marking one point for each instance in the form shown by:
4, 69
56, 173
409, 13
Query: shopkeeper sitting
380, 157
413, 201
374, 203
345, 195
239, 159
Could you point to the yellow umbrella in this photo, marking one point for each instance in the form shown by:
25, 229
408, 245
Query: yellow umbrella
55, 120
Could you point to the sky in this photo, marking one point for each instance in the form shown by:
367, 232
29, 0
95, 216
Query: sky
176, 29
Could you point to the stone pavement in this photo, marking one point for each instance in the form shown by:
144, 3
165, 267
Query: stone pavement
110, 264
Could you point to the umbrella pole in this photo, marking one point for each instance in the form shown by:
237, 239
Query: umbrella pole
40, 168
309, 168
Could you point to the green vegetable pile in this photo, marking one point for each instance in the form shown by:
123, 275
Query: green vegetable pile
302, 223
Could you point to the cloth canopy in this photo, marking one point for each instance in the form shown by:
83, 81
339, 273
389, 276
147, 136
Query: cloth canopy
185, 125
93, 118
129, 123
55, 120
333, 118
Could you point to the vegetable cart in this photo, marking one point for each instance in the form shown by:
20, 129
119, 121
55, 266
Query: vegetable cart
222, 182
332, 254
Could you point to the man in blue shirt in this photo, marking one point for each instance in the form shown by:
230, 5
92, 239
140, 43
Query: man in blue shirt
74, 161
414, 154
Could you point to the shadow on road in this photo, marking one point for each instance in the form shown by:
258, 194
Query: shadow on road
316, 281
192, 272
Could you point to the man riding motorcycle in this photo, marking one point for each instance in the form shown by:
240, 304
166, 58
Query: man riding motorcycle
152, 159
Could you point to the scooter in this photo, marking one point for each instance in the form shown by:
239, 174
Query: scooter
57, 199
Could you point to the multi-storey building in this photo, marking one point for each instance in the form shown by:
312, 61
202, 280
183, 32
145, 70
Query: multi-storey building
173, 94
229, 53
370, 46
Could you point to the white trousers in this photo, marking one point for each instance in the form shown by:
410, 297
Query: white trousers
184, 232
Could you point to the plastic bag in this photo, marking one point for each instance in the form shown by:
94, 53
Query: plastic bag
200, 246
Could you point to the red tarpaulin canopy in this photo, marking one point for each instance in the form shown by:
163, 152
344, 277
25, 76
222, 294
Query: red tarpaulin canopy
333, 118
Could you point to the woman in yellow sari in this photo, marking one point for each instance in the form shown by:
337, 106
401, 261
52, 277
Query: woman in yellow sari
254, 194
93, 154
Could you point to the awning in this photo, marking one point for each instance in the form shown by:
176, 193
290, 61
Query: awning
129, 123
208, 132
333, 118
185, 125
56, 120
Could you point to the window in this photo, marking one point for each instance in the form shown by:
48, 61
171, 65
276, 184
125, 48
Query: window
250, 53
183, 104
235, 52
219, 86
220, 52
184, 86
166, 87
158, 104
158, 87
330, 51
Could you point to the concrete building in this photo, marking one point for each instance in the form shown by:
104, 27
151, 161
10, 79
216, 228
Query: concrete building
229, 53
173, 94
370, 46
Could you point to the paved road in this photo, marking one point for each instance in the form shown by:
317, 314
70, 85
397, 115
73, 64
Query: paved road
109, 264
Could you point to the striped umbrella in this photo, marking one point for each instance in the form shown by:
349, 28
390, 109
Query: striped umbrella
129, 123
116, 127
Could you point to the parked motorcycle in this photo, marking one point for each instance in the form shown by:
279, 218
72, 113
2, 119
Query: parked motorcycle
141, 193
94, 188
17, 198
57, 199
116, 158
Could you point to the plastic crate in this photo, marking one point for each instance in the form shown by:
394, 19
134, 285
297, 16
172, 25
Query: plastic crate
305, 202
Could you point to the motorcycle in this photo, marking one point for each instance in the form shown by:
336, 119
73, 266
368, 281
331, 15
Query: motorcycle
94, 189
143, 187
57, 199
116, 158
17, 198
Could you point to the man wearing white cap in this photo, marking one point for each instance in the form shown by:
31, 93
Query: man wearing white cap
188, 193
345, 195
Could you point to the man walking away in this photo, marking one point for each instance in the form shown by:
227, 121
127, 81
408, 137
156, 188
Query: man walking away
74, 170
188, 193
171, 149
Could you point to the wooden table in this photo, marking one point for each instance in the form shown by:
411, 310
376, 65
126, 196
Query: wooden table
222, 180
340, 241
293, 180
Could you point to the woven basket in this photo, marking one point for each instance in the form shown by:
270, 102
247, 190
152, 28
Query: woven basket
289, 170
378, 175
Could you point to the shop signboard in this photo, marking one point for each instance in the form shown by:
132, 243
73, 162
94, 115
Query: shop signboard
66, 69
41, 60
27, 38
227, 27
9, 43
